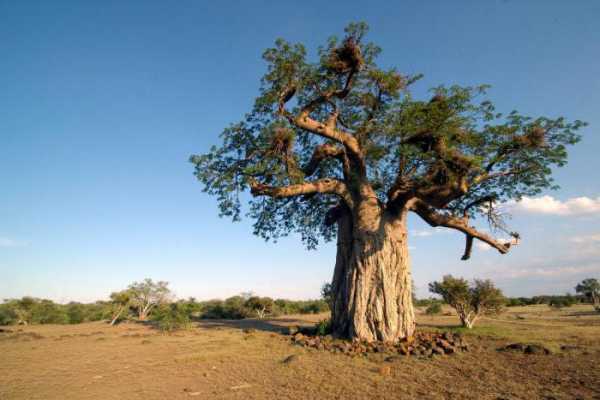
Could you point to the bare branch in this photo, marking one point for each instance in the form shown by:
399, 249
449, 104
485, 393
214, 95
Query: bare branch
435, 218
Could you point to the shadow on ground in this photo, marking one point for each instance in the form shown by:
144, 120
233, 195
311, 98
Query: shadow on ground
279, 325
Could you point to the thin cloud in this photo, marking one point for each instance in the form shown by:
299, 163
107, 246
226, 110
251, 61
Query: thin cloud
546, 272
7, 242
421, 233
550, 206
428, 232
586, 239
482, 246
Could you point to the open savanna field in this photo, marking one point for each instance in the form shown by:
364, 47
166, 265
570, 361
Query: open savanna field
250, 359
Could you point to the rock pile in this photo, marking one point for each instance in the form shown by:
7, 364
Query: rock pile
526, 348
423, 344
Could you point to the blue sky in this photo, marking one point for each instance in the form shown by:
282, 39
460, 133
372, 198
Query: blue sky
102, 103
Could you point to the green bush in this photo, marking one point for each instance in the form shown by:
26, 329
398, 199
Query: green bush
559, 302
324, 327
433, 309
171, 317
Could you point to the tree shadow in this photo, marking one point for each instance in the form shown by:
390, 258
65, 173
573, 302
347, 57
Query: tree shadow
438, 326
590, 313
279, 325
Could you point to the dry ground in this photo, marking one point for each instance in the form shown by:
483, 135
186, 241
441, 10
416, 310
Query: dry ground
218, 360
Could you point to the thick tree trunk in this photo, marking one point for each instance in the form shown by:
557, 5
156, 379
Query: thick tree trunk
372, 281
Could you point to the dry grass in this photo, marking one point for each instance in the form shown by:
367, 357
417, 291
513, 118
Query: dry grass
226, 360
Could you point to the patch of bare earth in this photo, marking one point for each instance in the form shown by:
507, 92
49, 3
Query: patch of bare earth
251, 360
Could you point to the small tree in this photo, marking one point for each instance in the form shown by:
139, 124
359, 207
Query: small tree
559, 302
148, 294
121, 302
21, 309
433, 309
590, 288
469, 302
327, 293
260, 305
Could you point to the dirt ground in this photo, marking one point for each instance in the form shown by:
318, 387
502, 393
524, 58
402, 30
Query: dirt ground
222, 360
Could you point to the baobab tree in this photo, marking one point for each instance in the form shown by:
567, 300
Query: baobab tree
339, 147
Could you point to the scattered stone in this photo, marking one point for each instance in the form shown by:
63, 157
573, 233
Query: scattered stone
249, 330
385, 370
242, 386
291, 359
291, 330
423, 344
569, 347
146, 341
308, 330
392, 359
526, 348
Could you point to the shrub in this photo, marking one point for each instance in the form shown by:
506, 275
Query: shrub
590, 289
434, 309
470, 302
559, 302
171, 317
324, 327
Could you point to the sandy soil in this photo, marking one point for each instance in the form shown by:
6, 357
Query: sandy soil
222, 360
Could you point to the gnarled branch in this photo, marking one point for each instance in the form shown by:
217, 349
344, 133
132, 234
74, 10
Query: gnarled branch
321, 152
324, 186
435, 218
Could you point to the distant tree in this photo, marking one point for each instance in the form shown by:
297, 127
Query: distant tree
121, 301
433, 309
559, 302
146, 295
22, 309
338, 146
76, 312
261, 306
171, 317
470, 302
47, 312
327, 293
590, 288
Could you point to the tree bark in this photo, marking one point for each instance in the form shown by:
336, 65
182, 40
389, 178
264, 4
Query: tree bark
372, 282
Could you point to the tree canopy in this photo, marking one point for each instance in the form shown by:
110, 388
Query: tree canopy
331, 132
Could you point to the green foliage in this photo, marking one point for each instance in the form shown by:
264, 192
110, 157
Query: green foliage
260, 306
482, 298
324, 327
590, 289
513, 154
327, 293
562, 301
146, 295
237, 307
171, 317
433, 309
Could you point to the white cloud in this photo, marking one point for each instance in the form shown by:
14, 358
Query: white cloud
482, 246
550, 205
6, 242
428, 232
586, 239
546, 271
421, 233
